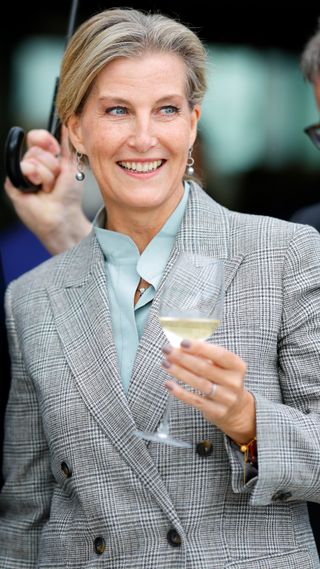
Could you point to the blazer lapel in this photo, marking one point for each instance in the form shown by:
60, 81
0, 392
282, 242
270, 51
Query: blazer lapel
204, 230
82, 316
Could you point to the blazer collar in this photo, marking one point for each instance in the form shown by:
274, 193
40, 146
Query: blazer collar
205, 227
204, 230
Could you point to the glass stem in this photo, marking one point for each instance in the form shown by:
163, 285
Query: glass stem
163, 428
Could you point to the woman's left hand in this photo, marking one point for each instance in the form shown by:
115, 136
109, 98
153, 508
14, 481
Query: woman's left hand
217, 375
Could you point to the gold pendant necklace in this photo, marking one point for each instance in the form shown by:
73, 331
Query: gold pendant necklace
142, 290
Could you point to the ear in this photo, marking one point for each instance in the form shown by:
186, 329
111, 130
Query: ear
75, 133
195, 117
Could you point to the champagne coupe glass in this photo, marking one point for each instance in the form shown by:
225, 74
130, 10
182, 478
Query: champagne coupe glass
191, 307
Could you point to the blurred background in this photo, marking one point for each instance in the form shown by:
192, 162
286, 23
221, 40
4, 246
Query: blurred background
252, 154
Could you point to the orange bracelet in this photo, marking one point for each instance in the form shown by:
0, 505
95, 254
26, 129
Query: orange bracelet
249, 451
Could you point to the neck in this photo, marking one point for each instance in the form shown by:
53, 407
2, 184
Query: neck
140, 233
141, 226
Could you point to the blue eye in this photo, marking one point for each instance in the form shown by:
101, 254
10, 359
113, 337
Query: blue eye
116, 111
169, 110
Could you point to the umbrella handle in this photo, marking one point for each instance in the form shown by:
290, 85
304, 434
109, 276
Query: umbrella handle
15, 139
12, 154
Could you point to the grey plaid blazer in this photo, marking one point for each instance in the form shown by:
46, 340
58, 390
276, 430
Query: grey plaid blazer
82, 492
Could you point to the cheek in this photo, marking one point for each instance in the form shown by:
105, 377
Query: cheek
103, 143
183, 137
178, 141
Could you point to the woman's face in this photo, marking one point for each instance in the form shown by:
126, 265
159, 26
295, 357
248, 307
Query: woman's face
136, 129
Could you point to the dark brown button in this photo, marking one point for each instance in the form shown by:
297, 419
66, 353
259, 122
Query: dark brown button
99, 545
67, 471
282, 496
174, 538
204, 448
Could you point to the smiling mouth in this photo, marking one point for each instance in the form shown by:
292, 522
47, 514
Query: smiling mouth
142, 167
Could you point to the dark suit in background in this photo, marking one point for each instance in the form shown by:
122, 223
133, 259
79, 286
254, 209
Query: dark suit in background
309, 215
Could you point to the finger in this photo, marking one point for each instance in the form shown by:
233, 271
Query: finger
203, 367
41, 167
43, 139
218, 412
201, 384
38, 174
218, 354
209, 408
212, 393
47, 159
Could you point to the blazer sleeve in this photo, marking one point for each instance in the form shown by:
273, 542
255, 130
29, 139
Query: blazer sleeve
288, 433
5, 363
26, 495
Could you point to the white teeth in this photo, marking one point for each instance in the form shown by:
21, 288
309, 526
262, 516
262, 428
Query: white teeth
141, 166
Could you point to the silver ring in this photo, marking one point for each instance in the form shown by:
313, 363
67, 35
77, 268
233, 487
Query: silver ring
212, 391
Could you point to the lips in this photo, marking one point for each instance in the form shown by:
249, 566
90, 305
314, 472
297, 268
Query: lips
143, 167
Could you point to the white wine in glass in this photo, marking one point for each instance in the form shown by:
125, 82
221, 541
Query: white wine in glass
191, 307
177, 328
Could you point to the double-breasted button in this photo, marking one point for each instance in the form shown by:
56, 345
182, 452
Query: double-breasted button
99, 545
174, 538
204, 448
67, 471
281, 496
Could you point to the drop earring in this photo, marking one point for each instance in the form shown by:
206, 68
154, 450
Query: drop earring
80, 175
190, 163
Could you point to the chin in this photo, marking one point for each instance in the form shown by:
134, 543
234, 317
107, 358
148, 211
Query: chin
148, 198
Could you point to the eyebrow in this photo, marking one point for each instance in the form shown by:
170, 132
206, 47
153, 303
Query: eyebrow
122, 101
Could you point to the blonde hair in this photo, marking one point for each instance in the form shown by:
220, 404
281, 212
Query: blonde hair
127, 33
310, 58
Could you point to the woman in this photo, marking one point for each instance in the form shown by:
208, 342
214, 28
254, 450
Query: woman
81, 489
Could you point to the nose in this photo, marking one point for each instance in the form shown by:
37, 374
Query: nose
142, 136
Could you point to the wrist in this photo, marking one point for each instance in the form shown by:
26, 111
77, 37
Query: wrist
244, 429
66, 235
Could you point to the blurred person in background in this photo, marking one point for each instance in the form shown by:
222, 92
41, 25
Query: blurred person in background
53, 214
310, 66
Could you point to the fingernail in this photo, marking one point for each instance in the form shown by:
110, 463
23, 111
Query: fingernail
167, 349
168, 386
166, 364
185, 344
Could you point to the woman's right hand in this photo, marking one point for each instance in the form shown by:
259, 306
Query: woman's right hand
54, 213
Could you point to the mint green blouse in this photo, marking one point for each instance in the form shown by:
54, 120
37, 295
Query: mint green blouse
124, 267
